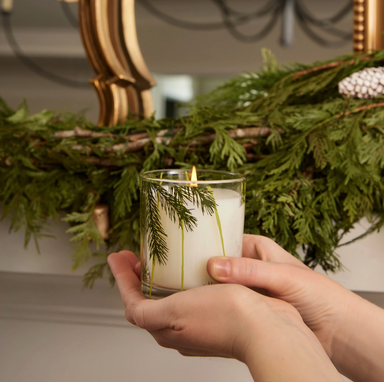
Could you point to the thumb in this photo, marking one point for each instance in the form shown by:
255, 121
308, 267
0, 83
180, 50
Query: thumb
152, 315
274, 277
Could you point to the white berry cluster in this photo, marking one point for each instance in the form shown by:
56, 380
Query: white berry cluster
367, 83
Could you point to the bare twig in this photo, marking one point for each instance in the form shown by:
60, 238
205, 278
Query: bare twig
138, 141
247, 132
141, 139
328, 66
361, 108
137, 145
83, 133
79, 132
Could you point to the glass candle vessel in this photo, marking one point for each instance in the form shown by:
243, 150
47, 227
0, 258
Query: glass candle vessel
184, 221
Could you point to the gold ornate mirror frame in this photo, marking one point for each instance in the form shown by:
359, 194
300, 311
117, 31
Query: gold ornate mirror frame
123, 81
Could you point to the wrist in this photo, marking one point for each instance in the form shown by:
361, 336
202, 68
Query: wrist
288, 352
275, 344
263, 320
357, 346
325, 313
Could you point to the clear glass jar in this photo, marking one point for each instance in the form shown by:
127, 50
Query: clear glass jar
184, 222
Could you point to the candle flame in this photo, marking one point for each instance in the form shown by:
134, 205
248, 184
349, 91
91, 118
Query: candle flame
194, 177
194, 174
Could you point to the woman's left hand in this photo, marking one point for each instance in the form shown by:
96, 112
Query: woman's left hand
206, 321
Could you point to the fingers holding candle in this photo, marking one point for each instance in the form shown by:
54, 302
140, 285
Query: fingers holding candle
274, 277
123, 266
264, 264
265, 249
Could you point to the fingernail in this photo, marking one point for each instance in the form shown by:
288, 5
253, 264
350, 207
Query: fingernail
130, 316
222, 267
111, 261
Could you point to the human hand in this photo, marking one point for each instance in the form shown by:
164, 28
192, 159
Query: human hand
331, 311
202, 321
266, 265
227, 321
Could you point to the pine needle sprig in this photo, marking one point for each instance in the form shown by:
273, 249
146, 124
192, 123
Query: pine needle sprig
125, 191
83, 229
173, 203
176, 203
179, 197
152, 225
97, 272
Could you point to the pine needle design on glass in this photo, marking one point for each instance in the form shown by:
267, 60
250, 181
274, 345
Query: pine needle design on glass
173, 202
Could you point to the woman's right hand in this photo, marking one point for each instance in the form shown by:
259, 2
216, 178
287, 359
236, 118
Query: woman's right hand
341, 320
266, 265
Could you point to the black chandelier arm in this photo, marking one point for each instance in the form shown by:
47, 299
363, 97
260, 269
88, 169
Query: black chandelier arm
231, 27
318, 39
232, 18
177, 22
327, 21
239, 19
263, 11
30, 63
336, 32
65, 7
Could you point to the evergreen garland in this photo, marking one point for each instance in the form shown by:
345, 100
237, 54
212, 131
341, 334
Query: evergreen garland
313, 159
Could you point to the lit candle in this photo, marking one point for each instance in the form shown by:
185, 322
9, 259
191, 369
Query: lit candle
216, 234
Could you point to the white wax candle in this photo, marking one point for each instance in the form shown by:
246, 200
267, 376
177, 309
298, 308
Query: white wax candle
201, 244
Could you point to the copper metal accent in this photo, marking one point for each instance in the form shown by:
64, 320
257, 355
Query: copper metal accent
101, 219
122, 80
368, 25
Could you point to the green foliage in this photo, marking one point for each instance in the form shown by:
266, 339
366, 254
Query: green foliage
317, 173
97, 272
83, 229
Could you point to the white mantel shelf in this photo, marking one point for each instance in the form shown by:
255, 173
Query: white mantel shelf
363, 260
61, 299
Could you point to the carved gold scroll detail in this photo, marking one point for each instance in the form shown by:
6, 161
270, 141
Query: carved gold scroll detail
122, 81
